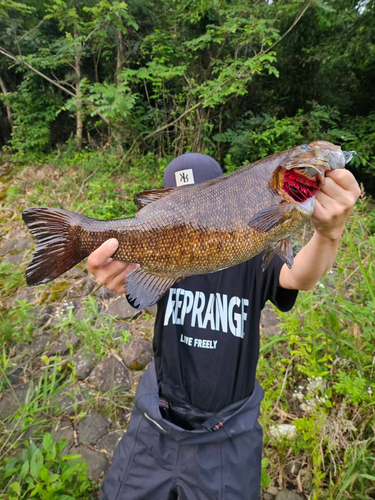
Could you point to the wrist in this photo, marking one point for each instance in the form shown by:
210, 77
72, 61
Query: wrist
331, 237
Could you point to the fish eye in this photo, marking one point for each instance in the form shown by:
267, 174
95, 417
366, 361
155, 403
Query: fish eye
304, 147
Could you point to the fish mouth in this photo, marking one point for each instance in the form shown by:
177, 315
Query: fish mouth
302, 184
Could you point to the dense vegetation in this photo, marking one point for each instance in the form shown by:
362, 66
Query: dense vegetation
96, 97
236, 79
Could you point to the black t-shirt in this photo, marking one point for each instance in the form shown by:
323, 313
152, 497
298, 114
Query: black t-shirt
206, 339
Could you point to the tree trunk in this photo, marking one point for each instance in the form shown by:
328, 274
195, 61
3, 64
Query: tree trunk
7, 103
77, 66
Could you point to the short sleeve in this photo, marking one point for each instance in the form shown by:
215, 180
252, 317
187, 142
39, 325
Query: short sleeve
282, 298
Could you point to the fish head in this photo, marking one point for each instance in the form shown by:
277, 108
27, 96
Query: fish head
300, 176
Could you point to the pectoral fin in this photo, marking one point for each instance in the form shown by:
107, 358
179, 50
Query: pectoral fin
146, 288
269, 217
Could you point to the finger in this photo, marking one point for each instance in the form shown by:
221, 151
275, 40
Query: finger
100, 256
319, 211
325, 201
345, 179
334, 190
107, 273
120, 277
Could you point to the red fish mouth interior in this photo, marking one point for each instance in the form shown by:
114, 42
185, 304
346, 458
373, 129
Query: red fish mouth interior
299, 187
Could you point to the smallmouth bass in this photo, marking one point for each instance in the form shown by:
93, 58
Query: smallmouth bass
195, 229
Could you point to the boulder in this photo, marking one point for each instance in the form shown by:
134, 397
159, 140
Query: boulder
64, 430
13, 400
137, 354
38, 345
288, 495
109, 442
97, 462
82, 288
93, 427
70, 398
61, 346
110, 373
104, 293
84, 362
122, 309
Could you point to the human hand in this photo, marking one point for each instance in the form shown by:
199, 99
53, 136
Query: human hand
108, 271
334, 203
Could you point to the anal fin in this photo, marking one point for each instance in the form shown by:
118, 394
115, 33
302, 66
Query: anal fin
146, 288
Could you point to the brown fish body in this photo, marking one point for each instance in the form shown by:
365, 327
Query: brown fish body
190, 230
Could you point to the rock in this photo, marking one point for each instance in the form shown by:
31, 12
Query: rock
97, 462
34, 432
110, 373
38, 345
136, 376
65, 402
14, 259
82, 288
122, 326
92, 427
269, 322
64, 431
288, 495
61, 346
272, 491
152, 310
43, 316
15, 376
110, 441
122, 309
267, 496
137, 354
16, 245
28, 294
61, 312
13, 400
75, 272
84, 363
279, 431
104, 293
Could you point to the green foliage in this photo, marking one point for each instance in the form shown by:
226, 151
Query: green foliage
44, 473
327, 348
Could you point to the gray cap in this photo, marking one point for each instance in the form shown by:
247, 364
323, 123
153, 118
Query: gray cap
191, 168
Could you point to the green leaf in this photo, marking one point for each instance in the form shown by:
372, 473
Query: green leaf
44, 475
24, 470
47, 441
36, 464
71, 457
16, 487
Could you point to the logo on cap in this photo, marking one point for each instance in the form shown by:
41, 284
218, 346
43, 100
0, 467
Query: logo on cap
184, 177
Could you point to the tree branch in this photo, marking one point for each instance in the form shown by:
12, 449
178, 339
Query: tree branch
297, 19
172, 123
24, 63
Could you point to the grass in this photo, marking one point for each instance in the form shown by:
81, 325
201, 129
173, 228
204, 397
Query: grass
318, 374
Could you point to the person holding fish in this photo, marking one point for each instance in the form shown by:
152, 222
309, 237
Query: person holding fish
211, 250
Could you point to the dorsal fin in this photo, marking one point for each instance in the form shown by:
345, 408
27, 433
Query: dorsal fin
146, 197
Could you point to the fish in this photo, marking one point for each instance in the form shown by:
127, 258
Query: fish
196, 229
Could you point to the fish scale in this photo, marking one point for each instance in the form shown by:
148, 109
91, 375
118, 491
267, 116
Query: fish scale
189, 230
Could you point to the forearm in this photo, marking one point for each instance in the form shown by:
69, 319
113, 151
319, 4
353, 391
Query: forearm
310, 264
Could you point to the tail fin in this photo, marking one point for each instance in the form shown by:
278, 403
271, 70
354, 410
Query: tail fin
58, 245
